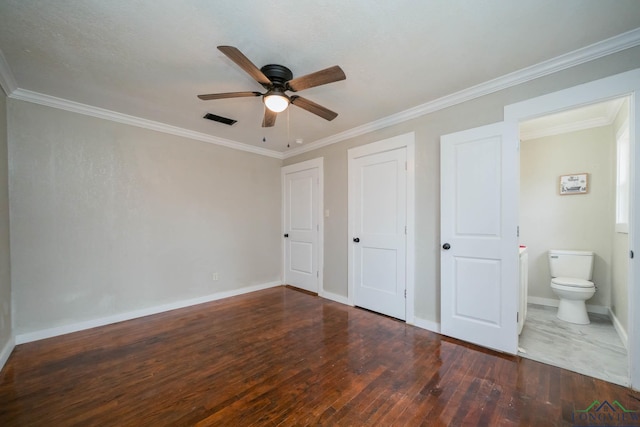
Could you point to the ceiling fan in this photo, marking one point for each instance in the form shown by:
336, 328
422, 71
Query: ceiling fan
278, 79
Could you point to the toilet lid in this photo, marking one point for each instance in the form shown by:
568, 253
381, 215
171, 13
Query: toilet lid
572, 281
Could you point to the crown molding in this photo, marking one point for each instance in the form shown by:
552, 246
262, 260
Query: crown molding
605, 119
7, 80
597, 50
614, 109
580, 56
565, 128
101, 113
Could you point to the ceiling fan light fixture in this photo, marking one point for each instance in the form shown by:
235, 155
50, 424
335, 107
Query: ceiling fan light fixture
276, 101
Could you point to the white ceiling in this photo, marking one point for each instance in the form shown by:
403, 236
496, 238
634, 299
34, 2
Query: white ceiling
150, 58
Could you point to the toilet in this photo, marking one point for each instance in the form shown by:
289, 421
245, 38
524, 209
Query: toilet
571, 273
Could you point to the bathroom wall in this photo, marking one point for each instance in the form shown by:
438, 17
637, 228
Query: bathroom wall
109, 218
620, 257
6, 326
583, 222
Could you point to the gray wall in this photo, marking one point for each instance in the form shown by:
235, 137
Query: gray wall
485, 110
582, 221
110, 218
5, 269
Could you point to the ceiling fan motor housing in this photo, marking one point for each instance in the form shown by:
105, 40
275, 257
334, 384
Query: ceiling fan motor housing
278, 74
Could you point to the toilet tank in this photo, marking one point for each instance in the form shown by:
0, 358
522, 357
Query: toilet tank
578, 264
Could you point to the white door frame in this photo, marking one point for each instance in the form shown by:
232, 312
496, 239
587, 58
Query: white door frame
298, 167
406, 140
624, 84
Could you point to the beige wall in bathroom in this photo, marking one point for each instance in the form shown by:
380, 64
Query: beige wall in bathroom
5, 269
620, 257
582, 222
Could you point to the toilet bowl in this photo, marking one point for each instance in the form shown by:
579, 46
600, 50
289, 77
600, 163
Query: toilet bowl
571, 272
573, 294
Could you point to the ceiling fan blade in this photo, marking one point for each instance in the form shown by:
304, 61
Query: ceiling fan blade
314, 108
269, 119
243, 62
228, 95
322, 77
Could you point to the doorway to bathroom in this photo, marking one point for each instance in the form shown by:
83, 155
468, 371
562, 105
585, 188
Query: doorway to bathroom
590, 143
505, 195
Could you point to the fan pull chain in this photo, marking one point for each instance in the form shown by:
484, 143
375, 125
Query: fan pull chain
288, 127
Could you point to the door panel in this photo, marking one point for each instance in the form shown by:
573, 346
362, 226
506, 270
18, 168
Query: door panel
479, 202
477, 280
381, 272
301, 201
301, 226
301, 257
379, 184
478, 198
378, 189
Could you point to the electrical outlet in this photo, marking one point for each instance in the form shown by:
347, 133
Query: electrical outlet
214, 276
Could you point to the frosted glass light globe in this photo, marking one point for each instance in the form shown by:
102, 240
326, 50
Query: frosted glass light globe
276, 103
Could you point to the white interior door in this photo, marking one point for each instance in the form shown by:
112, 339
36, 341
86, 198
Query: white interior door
479, 218
378, 193
301, 228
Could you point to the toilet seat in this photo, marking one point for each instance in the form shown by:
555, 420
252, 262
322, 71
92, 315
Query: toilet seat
573, 282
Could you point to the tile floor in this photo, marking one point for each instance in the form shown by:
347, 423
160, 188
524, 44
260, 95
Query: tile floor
595, 349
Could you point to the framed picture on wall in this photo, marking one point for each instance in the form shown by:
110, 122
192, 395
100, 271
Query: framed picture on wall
574, 184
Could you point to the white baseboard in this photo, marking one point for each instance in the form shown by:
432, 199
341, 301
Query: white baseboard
427, 324
550, 302
619, 329
80, 326
6, 351
416, 321
334, 297
598, 309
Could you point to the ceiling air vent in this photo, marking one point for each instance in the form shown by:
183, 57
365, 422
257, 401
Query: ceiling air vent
219, 119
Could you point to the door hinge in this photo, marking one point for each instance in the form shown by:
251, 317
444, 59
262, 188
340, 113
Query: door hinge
405, 166
518, 231
405, 293
631, 254
318, 273
405, 229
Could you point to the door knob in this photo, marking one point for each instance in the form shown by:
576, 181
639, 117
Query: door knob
446, 246
286, 235
356, 239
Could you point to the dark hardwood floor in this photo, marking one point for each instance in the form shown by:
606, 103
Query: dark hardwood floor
283, 357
